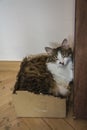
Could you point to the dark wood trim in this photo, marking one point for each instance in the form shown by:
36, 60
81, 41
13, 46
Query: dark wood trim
80, 81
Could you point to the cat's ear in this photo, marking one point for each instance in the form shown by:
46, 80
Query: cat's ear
65, 44
49, 50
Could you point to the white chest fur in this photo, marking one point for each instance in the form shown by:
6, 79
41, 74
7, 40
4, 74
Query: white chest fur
62, 75
61, 72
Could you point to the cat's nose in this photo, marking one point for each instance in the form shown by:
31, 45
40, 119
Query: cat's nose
61, 63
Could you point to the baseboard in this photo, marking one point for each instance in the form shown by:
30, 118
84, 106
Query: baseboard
9, 65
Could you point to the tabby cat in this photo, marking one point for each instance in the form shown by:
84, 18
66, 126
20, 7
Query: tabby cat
48, 73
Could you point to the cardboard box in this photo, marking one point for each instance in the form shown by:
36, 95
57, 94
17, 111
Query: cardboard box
32, 105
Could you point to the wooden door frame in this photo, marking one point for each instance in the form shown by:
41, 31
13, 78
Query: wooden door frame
80, 48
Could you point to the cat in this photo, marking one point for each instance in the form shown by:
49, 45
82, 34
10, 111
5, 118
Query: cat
48, 73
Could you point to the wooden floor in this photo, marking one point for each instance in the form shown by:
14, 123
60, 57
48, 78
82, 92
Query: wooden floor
8, 119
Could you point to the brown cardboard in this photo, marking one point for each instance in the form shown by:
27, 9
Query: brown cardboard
32, 105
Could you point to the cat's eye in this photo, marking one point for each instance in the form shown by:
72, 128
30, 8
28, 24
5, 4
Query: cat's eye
63, 56
55, 57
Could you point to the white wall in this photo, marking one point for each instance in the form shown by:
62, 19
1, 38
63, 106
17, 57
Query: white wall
27, 26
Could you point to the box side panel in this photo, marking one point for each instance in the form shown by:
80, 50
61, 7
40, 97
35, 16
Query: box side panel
32, 105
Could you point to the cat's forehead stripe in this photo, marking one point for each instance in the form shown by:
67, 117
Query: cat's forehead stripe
59, 55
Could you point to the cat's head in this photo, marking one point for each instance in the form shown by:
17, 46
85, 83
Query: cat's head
61, 55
